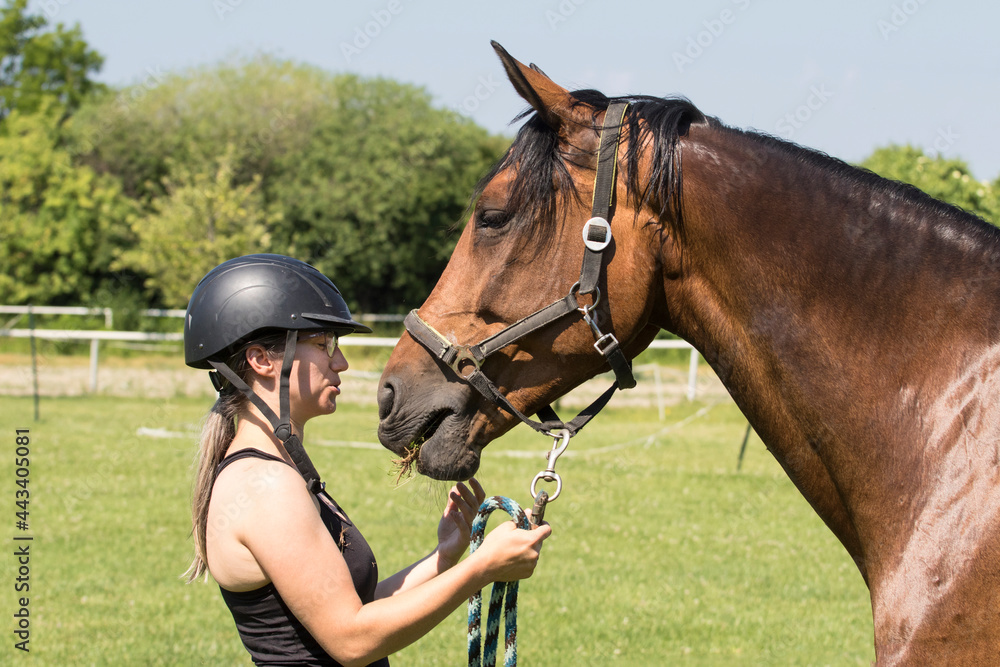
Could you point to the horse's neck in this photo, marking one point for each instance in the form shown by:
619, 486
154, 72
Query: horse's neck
816, 274
810, 297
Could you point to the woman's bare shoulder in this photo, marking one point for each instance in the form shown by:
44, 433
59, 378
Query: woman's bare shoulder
258, 489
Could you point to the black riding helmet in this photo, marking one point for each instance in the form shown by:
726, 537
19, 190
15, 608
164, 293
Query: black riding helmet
257, 293
253, 293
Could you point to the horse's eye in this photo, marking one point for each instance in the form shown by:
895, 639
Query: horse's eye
493, 218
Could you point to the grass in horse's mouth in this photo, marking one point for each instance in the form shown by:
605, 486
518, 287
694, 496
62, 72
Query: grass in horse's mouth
404, 465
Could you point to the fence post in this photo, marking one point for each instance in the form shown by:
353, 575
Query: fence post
34, 358
660, 412
93, 365
692, 374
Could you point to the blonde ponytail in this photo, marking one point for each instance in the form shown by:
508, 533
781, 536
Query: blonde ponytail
216, 436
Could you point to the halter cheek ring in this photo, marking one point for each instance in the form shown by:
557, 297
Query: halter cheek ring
596, 234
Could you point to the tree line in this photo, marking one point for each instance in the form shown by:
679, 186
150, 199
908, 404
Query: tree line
125, 197
128, 196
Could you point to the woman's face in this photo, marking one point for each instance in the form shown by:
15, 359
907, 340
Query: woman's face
315, 378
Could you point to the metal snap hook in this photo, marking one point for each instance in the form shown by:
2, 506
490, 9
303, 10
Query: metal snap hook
560, 442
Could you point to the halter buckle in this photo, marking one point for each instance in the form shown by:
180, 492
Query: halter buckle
605, 344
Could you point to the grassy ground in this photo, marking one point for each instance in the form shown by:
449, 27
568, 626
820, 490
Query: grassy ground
662, 552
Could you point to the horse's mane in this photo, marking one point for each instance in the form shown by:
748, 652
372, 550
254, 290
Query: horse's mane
658, 123
866, 182
540, 164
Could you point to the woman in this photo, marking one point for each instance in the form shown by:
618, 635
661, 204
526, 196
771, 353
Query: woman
297, 575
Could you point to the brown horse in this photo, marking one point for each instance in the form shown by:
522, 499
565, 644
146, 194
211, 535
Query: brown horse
854, 320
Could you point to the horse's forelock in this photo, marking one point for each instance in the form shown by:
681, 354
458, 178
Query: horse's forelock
542, 181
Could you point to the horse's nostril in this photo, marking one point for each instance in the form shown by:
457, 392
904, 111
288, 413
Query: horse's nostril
386, 397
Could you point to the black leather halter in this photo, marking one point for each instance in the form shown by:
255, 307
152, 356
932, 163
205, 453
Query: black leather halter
466, 360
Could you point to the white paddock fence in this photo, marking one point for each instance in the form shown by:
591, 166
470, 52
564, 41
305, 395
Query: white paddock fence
106, 313
95, 337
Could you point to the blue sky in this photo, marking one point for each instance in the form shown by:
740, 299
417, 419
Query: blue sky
844, 77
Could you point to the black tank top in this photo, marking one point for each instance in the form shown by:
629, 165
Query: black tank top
269, 630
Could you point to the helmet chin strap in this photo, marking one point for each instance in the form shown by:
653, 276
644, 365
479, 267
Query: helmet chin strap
282, 425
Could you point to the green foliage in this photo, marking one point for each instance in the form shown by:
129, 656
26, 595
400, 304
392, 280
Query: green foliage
374, 196
363, 178
201, 221
254, 111
37, 64
947, 179
61, 223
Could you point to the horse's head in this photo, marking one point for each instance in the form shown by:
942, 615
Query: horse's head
521, 250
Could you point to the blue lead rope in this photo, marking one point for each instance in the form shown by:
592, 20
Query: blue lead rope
488, 658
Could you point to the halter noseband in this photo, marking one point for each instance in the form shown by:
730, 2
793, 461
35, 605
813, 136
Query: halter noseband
466, 360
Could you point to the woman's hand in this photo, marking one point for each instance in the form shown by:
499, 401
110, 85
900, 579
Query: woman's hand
456, 522
511, 553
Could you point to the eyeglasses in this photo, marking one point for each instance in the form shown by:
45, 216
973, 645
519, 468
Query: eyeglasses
331, 340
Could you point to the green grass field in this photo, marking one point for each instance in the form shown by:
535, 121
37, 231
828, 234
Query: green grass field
662, 552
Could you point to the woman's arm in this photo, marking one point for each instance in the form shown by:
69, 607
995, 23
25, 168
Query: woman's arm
294, 549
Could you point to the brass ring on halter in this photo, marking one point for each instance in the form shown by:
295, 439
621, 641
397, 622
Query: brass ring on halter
463, 355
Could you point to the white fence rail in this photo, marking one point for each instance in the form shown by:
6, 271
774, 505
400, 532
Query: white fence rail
108, 313
360, 341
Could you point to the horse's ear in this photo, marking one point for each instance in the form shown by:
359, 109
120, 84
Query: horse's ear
552, 101
539, 70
